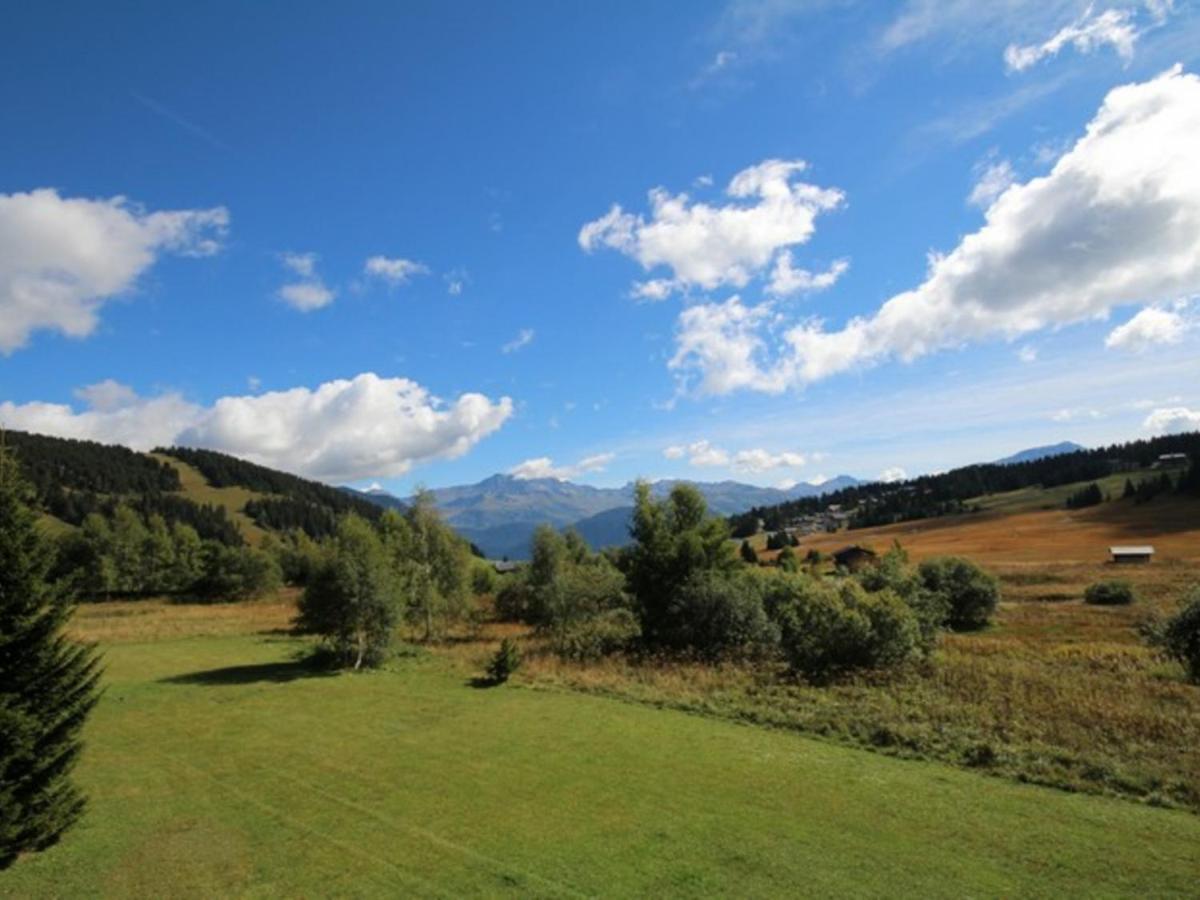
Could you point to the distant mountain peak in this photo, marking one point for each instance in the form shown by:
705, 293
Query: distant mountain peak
1035, 453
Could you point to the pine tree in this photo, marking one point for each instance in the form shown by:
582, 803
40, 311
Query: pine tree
48, 684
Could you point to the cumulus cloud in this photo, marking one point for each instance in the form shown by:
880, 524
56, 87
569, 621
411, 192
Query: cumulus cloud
893, 474
706, 246
994, 179
543, 467
704, 454
1150, 327
723, 343
787, 280
1092, 30
523, 339
310, 292
394, 270
1173, 420
1115, 222
343, 430
62, 258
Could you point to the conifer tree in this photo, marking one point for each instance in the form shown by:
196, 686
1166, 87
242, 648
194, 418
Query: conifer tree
48, 683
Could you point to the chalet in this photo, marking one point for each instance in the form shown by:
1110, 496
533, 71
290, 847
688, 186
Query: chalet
504, 566
1170, 460
1132, 554
854, 557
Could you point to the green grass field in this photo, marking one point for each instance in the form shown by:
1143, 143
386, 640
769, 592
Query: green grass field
218, 766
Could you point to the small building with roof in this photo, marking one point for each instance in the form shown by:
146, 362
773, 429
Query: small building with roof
1132, 553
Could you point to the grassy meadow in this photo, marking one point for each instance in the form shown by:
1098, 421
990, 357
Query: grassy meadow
219, 765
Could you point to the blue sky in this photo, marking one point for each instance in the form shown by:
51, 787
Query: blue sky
266, 154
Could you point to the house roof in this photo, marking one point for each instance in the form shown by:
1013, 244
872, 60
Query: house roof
1142, 550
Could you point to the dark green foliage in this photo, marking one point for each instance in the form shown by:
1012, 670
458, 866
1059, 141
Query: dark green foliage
1109, 593
1189, 482
674, 539
936, 495
1179, 636
286, 513
48, 684
210, 522
505, 662
1084, 497
778, 540
749, 556
596, 636
236, 573
893, 573
787, 560
717, 614
969, 594
828, 628
353, 598
61, 463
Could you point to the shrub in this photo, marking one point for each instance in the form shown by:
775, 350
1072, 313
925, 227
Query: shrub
748, 554
483, 579
787, 560
512, 600
601, 635
895, 574
237, 573
828, 628
721, 614
969, 594
506, 660
1179, 636
1109, 593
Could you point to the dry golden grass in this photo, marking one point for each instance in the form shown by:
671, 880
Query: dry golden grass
136, 621
1171, 524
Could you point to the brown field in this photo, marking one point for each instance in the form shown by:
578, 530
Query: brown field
1171, 524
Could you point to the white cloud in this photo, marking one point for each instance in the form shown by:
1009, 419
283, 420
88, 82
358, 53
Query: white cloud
786, 280
1173, 420
543, 467
721, 341
1074, 414
1115, 222
1092, 30
343, 430
113, 414
708, 246
704, 454
310, 292
62, 258
1150, 327
893, 474
994, 179
456, 281
523, 339
1027, 354
394, 270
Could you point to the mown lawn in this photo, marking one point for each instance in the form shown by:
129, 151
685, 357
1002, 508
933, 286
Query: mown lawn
218, 766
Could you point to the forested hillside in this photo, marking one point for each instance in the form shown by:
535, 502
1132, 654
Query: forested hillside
294, 502
951, 492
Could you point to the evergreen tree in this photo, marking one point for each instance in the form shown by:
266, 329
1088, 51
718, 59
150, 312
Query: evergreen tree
748, 554
48, 684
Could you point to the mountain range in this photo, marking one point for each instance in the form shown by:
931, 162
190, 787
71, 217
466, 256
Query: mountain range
500, 513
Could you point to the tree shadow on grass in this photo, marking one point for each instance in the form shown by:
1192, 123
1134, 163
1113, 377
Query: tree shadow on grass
272, 673
483, 682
